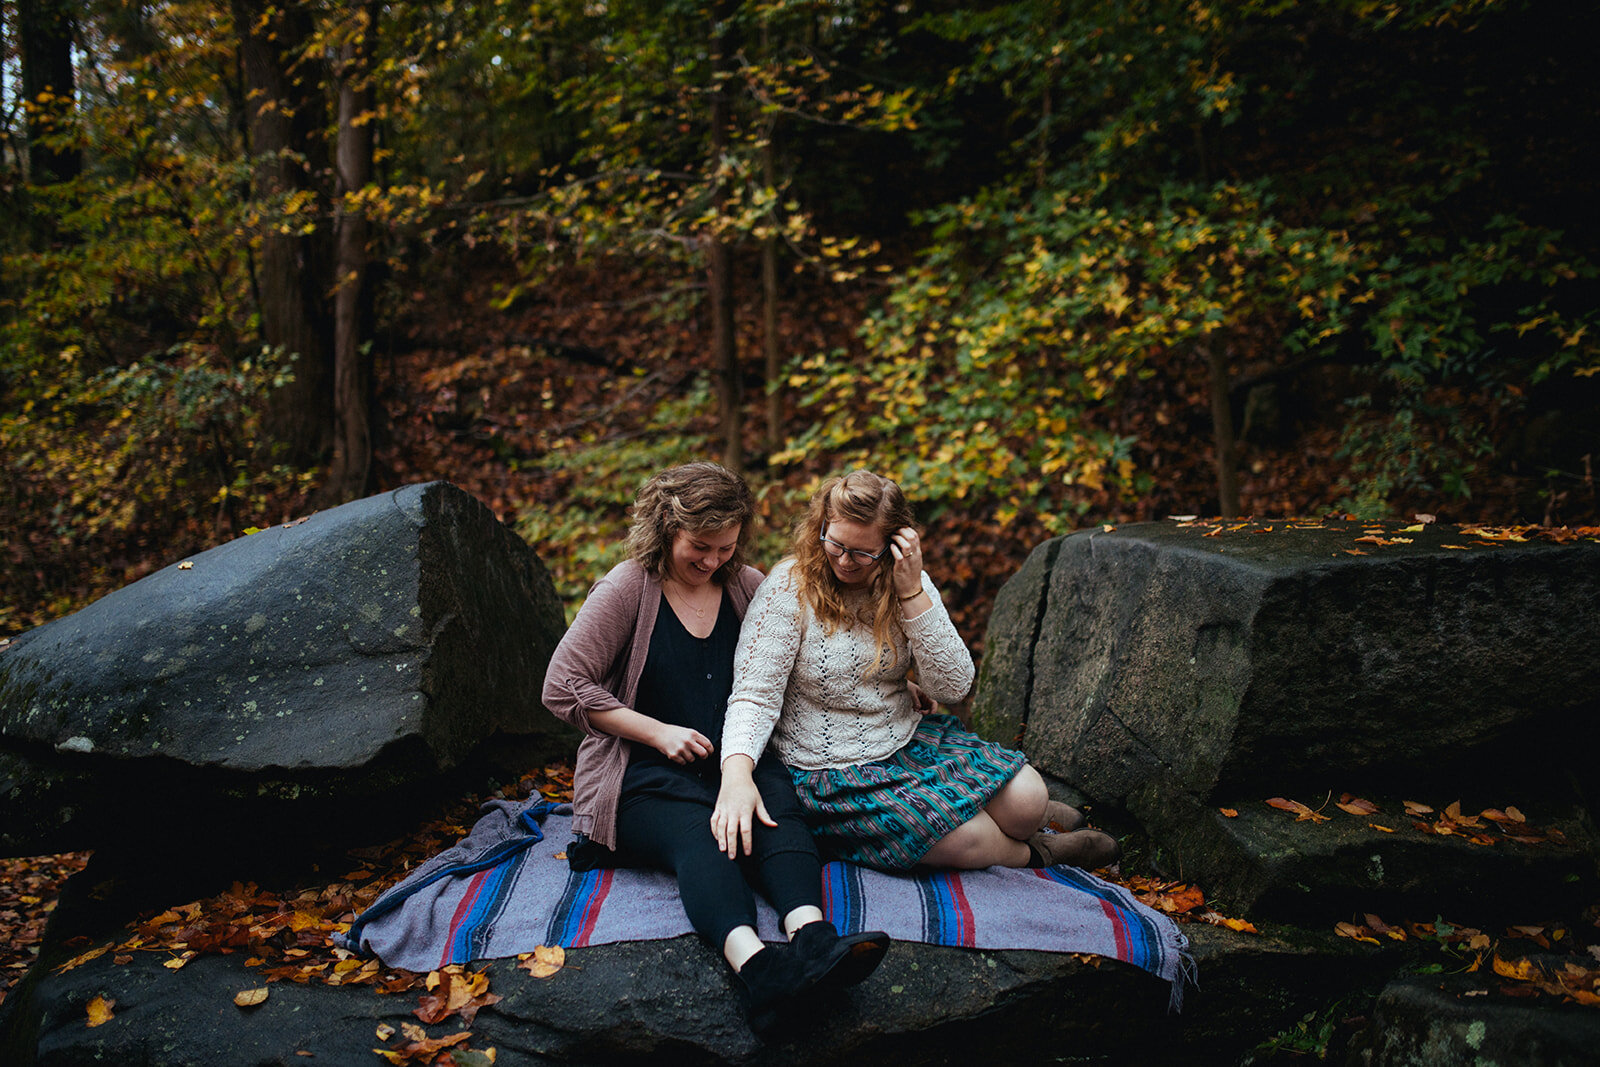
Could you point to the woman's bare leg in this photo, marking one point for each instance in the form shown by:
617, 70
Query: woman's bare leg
978, 842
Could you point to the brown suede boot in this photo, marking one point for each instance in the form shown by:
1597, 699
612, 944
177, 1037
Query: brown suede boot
1062, 818
1088, 849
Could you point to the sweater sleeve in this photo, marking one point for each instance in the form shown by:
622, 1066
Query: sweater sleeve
590, 653
944, 665
769, 641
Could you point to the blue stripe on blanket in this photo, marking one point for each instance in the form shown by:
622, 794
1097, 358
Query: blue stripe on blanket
491, 891
1138, 940
946, 915
574, 916
842, 897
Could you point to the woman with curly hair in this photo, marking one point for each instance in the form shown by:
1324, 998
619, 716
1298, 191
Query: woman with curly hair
644, 671
821, 672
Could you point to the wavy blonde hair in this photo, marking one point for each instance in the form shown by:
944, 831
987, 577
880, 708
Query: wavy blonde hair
694, 498
871, 500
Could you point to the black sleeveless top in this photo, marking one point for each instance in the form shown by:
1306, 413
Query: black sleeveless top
685, 682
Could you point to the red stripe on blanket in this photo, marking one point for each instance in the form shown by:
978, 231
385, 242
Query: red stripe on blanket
591, 907
1119, 928
963, 910
464, 909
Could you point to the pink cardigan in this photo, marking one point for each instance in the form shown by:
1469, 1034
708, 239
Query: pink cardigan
596, 667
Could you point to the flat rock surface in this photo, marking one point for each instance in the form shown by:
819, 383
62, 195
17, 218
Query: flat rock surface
1460, 1020
1264, 861
642, 1001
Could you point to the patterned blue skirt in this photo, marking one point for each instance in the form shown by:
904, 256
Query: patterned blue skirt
888, 814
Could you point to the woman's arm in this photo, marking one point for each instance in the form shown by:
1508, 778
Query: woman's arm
769, 642
591, 652
944, 665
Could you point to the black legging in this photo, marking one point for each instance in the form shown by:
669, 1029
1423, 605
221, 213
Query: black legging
675, 835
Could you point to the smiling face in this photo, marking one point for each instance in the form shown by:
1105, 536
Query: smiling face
859, 537
696, 554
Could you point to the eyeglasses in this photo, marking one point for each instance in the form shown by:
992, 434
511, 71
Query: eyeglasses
857, 555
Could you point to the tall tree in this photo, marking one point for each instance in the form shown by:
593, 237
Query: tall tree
719, 269
44, 31
350, 472
286, 125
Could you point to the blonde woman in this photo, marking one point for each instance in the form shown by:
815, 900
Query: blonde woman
645, 671
821, 673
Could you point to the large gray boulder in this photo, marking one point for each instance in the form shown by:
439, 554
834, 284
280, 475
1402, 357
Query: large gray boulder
1203, 660
348, 656
1188, 673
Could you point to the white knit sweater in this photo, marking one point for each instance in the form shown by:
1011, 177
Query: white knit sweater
809, 691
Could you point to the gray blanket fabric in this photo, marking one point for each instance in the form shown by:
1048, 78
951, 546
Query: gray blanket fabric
506, 888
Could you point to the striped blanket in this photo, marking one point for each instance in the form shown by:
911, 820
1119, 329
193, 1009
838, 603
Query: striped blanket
506, 888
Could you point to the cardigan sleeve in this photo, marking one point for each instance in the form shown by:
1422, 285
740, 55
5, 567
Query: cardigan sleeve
944, 665
769, 641
589, 658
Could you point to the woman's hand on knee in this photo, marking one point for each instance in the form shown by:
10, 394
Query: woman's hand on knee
739, 804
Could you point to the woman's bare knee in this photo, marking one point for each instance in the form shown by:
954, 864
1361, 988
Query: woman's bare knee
1018, 808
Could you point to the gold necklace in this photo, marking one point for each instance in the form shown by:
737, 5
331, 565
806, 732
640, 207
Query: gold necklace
699, 613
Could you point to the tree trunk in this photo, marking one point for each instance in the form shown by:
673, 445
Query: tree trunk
769, 281
1222, 432
719, 272
286, 116
44, 32
350, 474
769, 314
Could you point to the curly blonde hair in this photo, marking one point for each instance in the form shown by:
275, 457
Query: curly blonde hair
693, 497
871, 500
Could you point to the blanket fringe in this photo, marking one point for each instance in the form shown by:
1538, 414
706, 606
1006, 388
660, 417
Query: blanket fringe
1188, 975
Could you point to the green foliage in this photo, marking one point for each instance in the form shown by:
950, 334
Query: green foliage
583, 539
585, 536
1030, 312
130, 447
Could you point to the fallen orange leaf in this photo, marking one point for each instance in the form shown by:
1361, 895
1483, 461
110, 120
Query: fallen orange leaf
1522, 970
1354, 932
1232, 813
250, 998
100, 1011
1301, 812
1356, 805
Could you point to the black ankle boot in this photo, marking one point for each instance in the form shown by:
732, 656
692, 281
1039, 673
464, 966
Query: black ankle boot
770, 981
834, 962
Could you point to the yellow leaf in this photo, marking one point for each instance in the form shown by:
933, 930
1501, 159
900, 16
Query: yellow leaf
1521, 970
100, 1011
249, 998
543, 961
78, 961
